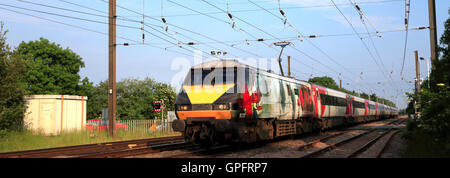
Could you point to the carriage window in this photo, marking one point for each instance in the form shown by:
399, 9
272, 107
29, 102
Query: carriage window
262, 84
357, 104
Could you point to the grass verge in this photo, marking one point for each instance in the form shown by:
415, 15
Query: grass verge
27, 140
422, 145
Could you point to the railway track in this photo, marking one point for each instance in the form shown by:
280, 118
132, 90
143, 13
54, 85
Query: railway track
135, 148
183, 150
361, 142
229, 149
92, 149
149, 149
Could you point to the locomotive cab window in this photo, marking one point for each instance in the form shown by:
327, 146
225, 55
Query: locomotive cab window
211, 76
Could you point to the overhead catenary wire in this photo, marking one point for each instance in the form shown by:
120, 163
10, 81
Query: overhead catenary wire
230, 42
286, 7
143, 21
87, 13
66, 16
179, 43
90, 30
233, 46
177, 26
262, 40
362, 17
359, 36
286, 20
300, 35
365, 45
308, 56
234, 24
365, 17
100, 22
165, 22
407, 7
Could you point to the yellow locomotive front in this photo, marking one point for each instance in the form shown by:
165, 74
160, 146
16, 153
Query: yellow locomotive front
210, 97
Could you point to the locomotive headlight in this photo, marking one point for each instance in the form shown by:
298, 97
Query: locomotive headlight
222, 107
183, 107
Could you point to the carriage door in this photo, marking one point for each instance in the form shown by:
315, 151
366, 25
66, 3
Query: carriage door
348, 111
290, 106
316, 103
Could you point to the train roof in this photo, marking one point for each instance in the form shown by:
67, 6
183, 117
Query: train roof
219, 63
236, 63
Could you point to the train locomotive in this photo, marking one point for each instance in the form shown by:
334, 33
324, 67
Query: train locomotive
228, 101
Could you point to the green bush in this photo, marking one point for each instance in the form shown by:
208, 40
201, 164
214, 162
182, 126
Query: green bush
12, 88
432, 128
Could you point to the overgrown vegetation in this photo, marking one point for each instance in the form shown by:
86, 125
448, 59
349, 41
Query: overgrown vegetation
12, 87
134, 99
431, 129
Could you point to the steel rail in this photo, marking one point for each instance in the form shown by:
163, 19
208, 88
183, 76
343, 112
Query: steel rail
200, 150
156, 148
332, 146
302, 147
367, 145
362, 148
84, 149
386, 144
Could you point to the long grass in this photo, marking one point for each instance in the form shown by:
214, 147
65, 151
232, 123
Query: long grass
27, 140
422, 145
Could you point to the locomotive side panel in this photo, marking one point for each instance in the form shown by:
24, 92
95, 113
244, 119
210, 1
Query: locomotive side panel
251, 105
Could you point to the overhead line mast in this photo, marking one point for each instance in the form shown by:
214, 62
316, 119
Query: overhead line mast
407, 7
112, 68
433, 36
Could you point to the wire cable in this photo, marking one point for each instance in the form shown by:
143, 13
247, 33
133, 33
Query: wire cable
88, 29
407, 7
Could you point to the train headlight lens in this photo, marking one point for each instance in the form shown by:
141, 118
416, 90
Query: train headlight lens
183, 107
222, 107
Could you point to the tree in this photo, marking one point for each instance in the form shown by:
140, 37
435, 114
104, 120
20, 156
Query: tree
52, 69
324, 81
98, 100
12, 88
134, 98
434, 106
